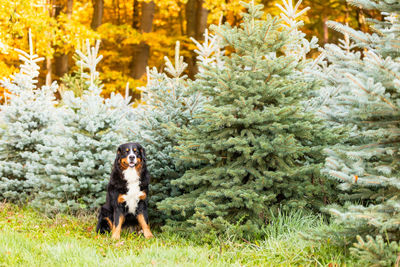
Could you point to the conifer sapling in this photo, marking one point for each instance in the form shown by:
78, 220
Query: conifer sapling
254, 148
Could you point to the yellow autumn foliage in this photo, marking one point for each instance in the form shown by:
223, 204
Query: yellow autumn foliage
56, 33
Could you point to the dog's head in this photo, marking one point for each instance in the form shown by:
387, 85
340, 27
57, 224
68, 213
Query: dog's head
130, 155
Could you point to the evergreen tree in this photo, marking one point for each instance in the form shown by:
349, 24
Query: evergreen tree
167, 102
81, 158
26, 117
77, 81
255, 147
363, 89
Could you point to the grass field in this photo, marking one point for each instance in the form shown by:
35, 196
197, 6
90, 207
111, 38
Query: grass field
28, 238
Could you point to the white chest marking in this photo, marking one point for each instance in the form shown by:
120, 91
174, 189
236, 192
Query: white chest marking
133, 194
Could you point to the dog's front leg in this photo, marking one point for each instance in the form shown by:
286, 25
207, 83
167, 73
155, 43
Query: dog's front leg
119, 219
145, 227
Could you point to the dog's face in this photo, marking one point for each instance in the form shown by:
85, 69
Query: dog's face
130, 155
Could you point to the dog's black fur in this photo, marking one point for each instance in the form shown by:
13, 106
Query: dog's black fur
113, 209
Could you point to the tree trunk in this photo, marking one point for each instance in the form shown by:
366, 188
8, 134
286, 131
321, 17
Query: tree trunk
361, 20
53, 9
136, 14
196, 23
98, 7
202, 14
61, 61
146, 20
118, 13
61, 64
49, 67
325, 27
181, 21
141, 51
347, 13
191, 7
70, 5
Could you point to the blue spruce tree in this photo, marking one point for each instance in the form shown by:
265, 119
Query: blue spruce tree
167, 102
363, 85
26, 119
81, 158
255, 147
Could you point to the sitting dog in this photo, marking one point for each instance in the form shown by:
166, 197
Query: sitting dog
126, 200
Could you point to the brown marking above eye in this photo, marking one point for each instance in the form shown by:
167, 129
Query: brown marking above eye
127, 150
134, 149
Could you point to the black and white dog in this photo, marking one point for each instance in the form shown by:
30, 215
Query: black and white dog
127, 191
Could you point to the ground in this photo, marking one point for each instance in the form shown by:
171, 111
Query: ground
29, 238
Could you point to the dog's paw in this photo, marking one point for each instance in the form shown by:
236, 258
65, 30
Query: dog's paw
116, 236
147, 234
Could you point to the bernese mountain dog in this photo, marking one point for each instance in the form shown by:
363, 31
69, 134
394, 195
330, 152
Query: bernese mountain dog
127, 191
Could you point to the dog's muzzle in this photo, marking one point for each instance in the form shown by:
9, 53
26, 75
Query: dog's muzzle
132, 160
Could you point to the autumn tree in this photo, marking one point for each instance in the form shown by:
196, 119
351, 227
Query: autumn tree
134, 33
61, 58
324, 11
15, 20
97, 17
196, 23
141, 52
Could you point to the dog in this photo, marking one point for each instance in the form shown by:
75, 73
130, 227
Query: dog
127, 193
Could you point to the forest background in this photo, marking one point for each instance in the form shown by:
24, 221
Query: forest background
135, 33
245, 130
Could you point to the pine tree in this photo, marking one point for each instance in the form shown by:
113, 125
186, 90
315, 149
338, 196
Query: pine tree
167, 102
81, 158
77, 81
255, 147
26, 117
362, 93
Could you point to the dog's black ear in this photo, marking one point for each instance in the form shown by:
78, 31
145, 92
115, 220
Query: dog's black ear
143, 153
116, 162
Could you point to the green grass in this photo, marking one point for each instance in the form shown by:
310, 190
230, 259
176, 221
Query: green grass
28, 238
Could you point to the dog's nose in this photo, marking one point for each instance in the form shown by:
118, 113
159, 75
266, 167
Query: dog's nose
131, 158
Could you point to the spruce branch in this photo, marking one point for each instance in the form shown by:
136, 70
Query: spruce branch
30, 67
90, 61
209, 53
290, 13
380, 61
180, 66
360, 37
346, 44
353, 79
127, 97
